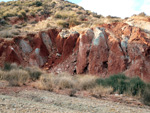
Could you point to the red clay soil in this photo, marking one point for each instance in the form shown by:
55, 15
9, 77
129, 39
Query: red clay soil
102, 51
35, 18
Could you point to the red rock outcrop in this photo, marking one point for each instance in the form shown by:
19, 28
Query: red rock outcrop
102, 51
84, 49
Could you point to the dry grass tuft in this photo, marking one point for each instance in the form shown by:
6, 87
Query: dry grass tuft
76, 83
65, 14
2, 75
16, 77
100, 91
64, 80
52, 81
46, 82
63, 23
9, 33
86, 82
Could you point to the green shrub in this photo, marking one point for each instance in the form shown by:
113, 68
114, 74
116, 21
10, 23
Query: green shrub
20, 15
3, 22
146, 95
67, 5
7, 14
137, 86
79, 12
10, 66
61, 16
34, 73
37, 3
23, 12
117, 82
7, 67
32, 13
122, 84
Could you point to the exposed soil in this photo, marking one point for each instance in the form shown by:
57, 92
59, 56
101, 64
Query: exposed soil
29, 100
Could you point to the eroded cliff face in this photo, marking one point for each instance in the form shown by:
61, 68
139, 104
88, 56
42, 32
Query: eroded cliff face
102, 51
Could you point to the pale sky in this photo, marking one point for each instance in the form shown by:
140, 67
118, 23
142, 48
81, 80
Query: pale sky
120, 8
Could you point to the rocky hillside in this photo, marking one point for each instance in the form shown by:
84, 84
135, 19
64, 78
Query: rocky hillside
24, 16
60, 40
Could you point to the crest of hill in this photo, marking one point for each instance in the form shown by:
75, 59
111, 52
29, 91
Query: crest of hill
23, 16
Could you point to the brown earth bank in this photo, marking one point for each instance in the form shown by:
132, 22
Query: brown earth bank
27, 99
21, 20
104, 50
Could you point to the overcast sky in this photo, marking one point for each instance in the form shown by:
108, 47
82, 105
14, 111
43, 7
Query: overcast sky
120, 8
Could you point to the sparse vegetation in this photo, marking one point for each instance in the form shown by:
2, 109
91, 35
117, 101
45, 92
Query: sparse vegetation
65, 14
137, 86
52, 81
124, 85
16, 77
9, 33
34, 73
26, 12
7, 67
64, 81
100, 91
63, 24
86, 82
146, 95
74, 83
118, 82
37, 3
2, 75
142, 14
69, 16
45, 83
97, 87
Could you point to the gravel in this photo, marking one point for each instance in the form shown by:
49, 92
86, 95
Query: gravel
39, 101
